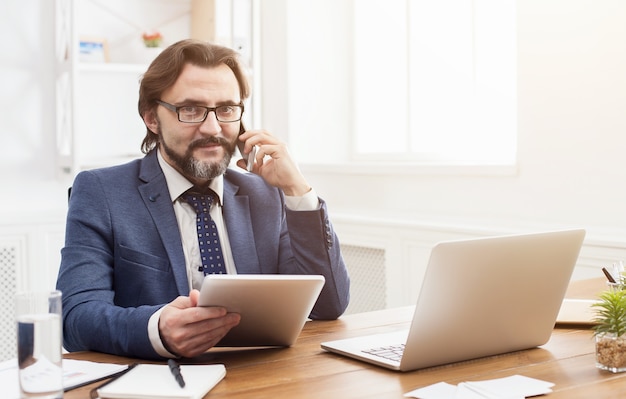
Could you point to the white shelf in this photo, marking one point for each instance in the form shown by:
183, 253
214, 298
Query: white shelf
97, 121
112, 67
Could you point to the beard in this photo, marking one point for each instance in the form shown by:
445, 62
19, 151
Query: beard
192, 167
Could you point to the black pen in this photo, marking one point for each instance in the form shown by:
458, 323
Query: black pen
175, 369
93, 394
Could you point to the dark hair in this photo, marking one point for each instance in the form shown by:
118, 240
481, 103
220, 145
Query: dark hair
167, 66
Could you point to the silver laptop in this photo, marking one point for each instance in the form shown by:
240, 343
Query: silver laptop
479, 297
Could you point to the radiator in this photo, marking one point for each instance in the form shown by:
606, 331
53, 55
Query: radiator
9, 254
368, 288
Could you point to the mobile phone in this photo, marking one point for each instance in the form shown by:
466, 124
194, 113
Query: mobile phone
251, 155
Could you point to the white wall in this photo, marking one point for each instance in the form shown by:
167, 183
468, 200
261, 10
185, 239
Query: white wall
32, 200
27, 126
572, 126
572, 102
27, 95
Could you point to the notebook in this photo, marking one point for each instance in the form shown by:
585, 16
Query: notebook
479, 297
273, 307
153, 381
576, 311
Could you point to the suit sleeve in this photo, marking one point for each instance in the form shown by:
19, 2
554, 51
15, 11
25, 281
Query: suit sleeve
285, 241
316, 250
91, 318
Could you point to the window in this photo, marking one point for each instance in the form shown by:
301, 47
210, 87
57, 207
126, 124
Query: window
435, 80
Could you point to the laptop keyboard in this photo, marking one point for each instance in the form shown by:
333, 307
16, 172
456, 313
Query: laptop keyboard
391, 352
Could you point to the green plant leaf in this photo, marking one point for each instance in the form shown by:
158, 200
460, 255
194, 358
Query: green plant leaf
611, 313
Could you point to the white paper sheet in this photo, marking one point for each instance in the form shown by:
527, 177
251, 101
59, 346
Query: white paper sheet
75, 373
513, 387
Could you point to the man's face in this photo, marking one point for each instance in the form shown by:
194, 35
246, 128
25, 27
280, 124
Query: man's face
200, 151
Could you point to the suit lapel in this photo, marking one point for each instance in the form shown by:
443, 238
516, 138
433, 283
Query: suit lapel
239, 224
157, 199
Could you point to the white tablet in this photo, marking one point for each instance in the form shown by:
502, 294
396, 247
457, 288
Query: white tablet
273, 307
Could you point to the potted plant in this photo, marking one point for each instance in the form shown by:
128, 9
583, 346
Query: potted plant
610, 329
152, 39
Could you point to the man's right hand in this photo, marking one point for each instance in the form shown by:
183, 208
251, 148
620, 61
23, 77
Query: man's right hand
188, 330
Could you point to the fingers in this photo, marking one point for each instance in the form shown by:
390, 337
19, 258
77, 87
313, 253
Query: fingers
242, 164
194, 296
266, 144
187, 330
257, 137
274, 163
202, 336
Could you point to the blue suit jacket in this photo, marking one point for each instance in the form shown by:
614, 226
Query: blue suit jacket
123, 257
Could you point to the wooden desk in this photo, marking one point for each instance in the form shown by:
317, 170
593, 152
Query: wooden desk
306, 371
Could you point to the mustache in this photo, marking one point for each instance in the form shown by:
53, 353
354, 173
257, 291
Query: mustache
210, 140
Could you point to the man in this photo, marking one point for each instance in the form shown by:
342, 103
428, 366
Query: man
131, 264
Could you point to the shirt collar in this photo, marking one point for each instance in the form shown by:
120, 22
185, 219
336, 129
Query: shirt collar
177, 184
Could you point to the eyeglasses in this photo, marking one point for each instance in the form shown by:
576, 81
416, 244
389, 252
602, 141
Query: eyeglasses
197, 113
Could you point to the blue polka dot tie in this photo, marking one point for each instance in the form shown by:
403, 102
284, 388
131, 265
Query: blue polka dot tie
208, 239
